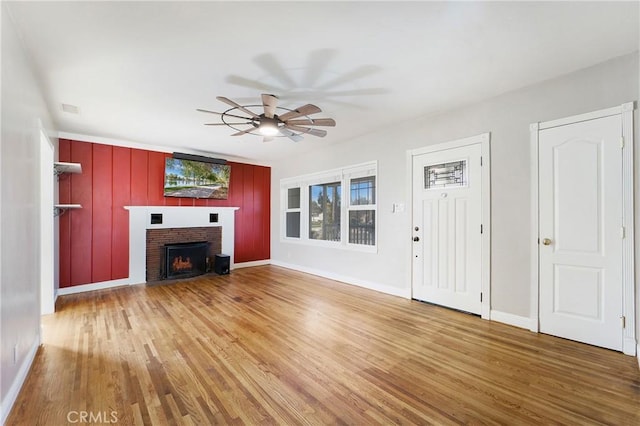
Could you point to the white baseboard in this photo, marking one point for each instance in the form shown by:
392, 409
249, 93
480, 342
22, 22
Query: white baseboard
93, 286
638, 354
14, 390
394, 291
127, 281
511, 319
251, 264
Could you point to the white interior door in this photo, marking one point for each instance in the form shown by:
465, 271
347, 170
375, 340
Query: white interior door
447, 218
580, 231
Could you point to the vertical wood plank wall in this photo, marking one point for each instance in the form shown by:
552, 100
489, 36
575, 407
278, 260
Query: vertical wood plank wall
94, 240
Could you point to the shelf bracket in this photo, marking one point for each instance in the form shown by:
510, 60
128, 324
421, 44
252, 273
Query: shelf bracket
59, 209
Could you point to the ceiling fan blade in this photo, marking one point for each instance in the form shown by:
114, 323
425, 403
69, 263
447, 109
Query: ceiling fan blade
236, 105
242, 132
303, 110
269, 102
313, 122
293, 136
206, 110
314, 132
227, 124
222, 113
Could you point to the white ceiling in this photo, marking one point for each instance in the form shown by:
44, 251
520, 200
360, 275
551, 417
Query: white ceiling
138, 70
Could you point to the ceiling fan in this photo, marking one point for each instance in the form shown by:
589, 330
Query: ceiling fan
269, 120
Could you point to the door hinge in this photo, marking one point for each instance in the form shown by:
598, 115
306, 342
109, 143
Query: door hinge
621, 142
622, 232
481, 228
624, 321
481, 160
480, 297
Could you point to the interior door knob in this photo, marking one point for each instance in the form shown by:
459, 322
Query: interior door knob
546, 242
416, 238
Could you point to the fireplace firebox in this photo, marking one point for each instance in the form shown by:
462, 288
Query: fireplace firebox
184, 260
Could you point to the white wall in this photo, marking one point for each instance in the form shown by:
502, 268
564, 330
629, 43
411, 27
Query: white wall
507, 117
22, 109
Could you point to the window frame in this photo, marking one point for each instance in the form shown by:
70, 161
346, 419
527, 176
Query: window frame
289, 209
363, 207
344, 176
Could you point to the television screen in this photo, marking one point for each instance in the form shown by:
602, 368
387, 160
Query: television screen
195, 179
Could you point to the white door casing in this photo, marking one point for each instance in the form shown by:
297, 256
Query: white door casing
47, 249
450, 228
583, 232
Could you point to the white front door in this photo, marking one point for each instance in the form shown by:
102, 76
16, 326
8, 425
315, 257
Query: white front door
447, 219
580, 230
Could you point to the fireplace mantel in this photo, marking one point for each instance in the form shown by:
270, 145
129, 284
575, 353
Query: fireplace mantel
173, 217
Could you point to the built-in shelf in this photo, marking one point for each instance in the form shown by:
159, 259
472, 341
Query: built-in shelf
60, 168
59, 209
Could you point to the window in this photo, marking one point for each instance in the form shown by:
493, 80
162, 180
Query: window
336, 208
293, 213
324, 212
362, 214
363, 191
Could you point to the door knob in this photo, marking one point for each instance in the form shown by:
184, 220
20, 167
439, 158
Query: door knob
546, 242
416, 238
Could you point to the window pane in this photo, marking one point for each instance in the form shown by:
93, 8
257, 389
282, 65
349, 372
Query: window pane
362, 227
363, 191
293, 224
324, 211
446, 175
293, 199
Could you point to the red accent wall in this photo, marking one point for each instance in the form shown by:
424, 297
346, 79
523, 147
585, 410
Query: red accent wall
94, 240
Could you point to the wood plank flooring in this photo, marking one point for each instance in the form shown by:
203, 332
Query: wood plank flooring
267, 345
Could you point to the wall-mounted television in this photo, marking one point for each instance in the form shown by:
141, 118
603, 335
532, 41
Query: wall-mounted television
196, 179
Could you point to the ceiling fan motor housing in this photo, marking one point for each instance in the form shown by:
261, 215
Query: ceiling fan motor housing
269, 126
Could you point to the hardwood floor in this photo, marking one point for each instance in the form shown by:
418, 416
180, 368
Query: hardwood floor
267, 345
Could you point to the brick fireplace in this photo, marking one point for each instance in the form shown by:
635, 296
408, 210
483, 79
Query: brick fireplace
160, 225
158, 238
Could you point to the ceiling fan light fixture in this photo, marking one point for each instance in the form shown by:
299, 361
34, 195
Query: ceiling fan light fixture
268, 127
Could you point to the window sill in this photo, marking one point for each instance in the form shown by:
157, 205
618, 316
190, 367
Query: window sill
331, 245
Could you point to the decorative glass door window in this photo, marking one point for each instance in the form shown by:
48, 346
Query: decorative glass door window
446, 175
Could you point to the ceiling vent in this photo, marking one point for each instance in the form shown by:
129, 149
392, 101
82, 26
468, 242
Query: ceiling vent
72, 109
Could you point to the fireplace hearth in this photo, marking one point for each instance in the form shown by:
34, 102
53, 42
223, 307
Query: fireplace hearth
184, 260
